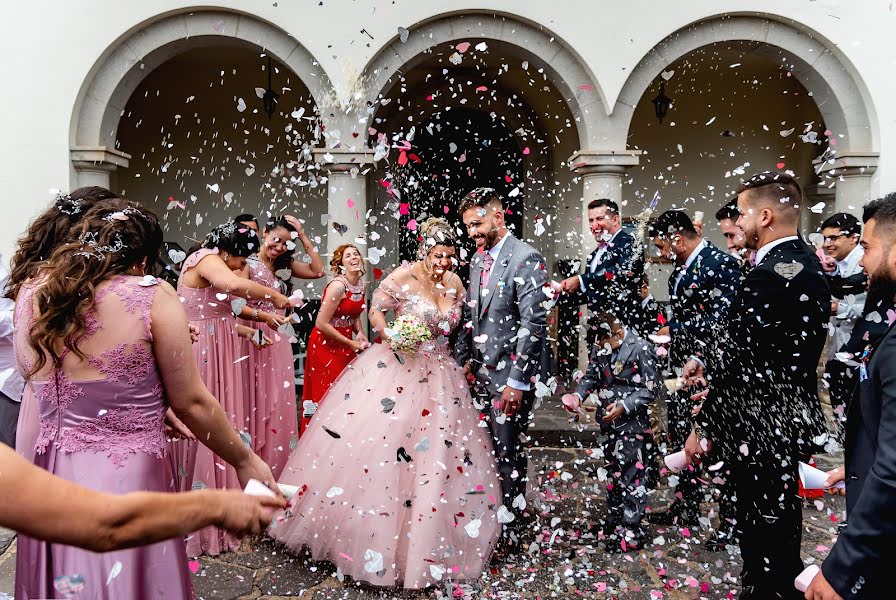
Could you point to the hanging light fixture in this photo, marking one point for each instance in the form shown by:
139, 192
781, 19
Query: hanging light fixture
662, 103
270, 96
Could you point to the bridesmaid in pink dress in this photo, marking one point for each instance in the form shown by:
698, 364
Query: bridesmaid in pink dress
103, 344
397, 481
43, 235
271, 397
212, 288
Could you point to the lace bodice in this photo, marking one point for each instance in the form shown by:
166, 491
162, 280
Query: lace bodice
112, 401
261, 273
409, 298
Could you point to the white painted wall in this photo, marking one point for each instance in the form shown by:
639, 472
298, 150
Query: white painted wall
49, 48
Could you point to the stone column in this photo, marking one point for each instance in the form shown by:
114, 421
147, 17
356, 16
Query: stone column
94, 164
852, 172
346, 195
601, 172
816, 193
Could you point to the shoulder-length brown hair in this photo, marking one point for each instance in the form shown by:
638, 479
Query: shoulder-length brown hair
336, 261
110, 239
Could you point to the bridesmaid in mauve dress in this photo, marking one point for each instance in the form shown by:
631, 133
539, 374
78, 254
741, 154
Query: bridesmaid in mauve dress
212, 289
41, 238
102, 395
331, 345
270, 397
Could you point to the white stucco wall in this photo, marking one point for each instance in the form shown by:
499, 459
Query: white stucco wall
48, 48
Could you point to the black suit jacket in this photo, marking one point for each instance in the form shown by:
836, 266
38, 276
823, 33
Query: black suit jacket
615, 283
700, 303
765, 394
857, 566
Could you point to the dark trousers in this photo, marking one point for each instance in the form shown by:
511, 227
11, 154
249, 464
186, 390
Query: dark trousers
626, 482
679, 408
9, 420
769, 525
510, 452
842, 381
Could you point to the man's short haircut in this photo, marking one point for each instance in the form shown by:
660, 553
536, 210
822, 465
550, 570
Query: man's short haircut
480, 197
882, 210
728, 211
601, 202
606, 324
845, 222
774, 189
672, 222
245, 217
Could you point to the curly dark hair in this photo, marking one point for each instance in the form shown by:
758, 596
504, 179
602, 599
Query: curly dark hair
111, 238
49, 230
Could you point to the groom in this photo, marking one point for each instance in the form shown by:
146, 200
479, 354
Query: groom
502, 337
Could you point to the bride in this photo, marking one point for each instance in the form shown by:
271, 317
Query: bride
397, 479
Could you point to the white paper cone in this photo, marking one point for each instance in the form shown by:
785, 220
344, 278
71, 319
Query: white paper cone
676, 461
804, 579
813, 479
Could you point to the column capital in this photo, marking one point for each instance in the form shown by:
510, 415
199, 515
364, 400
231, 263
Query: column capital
339, 160
98, 158
584, 162
848, 164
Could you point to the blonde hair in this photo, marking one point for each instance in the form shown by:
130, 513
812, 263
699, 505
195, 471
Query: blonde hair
435, 231
336, 261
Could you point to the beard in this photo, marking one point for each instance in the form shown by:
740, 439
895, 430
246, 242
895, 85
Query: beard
751, 238
881, 289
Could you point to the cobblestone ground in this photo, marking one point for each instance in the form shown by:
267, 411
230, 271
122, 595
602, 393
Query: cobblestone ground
560, 560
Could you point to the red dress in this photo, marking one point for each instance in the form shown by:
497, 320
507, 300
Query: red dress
326, 359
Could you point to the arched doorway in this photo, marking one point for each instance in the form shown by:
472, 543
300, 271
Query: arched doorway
204, 148
485, 116
459, 150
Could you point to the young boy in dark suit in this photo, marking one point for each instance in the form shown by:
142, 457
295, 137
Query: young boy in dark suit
622, 373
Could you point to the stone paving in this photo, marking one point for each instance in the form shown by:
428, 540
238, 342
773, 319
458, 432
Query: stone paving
560, 559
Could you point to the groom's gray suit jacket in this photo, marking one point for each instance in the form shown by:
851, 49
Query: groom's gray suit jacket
504, 332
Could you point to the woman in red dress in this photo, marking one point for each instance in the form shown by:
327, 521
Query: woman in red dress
337, 336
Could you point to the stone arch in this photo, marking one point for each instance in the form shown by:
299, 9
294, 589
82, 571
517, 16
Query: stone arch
568, 73
834, 82
121, 68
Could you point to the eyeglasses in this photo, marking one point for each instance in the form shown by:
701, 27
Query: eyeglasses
833, 238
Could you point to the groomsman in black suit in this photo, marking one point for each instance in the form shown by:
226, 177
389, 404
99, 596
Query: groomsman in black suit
613, 273
701, 289
857, 566
762, 414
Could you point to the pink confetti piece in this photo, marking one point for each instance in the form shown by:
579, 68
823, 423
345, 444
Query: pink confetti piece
194, 566
350, 203
412, 225
462, 47
586, 87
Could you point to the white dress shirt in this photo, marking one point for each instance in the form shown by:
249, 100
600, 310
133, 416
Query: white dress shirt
850, 308
12, 384
687, 264
598, 257
760, 254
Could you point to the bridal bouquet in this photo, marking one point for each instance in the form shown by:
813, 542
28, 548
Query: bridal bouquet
407, 333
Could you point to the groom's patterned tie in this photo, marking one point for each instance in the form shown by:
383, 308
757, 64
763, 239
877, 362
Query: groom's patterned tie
487, 262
